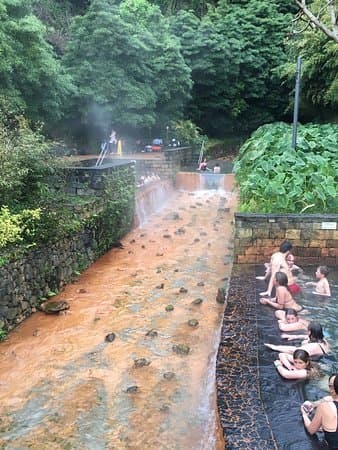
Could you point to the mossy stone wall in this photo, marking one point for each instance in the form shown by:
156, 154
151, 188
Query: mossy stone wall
26, 281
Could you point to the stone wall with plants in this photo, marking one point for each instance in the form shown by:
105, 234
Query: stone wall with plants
30, 274
313, 236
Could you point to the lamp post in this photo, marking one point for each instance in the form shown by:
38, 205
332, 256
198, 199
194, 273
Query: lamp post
167, 128
296, 104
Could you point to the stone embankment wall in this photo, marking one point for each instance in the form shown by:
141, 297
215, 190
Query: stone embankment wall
25, 282
169, 165
313, 236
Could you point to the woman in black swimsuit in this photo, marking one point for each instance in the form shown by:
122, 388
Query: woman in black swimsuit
315, 343
326, 415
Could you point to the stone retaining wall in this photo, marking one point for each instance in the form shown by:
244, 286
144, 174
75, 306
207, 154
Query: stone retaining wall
169, 166
164, 169
24, 283
313, 236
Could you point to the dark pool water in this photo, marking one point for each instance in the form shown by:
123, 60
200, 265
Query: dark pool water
258, 409
282, 398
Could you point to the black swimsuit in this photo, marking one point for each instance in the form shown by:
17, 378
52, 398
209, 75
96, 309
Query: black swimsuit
331, 437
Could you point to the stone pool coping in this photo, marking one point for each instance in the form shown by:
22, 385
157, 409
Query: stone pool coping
241, 411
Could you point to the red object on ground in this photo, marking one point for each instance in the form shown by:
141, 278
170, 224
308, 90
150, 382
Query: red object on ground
156, 148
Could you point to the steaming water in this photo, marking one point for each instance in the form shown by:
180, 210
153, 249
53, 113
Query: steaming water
150, 199
64, 387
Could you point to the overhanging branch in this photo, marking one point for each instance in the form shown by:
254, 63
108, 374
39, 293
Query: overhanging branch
332, 34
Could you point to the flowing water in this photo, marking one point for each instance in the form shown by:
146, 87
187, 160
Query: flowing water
63, 386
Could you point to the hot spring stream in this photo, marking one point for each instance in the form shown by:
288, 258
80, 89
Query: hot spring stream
64, 387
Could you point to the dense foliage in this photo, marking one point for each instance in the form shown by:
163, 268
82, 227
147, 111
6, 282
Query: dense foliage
232, 52
274, 177
137, 77
31, 78
319, 73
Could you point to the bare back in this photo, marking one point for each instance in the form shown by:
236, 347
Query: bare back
285, 299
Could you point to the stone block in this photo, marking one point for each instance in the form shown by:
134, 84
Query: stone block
332, 243
277, 234
250, 259
292, 234
308, 235
333, 252
244, 233
317, 243
252, 250
310, 261
260, 233
310, 251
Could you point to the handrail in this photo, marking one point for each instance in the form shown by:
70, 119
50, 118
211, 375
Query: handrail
103, 153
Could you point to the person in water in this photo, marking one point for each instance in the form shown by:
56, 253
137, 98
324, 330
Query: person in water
322, 285
315, 344
278, 264
217, 168
289, 320
297, 366
203, 165
326, 415
294, 288
283, 299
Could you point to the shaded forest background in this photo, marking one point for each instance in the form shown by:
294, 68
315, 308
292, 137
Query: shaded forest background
75, 69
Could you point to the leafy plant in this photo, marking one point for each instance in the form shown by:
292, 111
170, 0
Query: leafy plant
188, 133
273, 177
3, 335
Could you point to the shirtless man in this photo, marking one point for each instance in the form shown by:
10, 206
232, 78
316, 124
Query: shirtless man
322, 285
278, 264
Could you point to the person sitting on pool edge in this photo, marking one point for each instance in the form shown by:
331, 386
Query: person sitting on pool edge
326, 415
289, 320
203, 165
283, 298
322, 285
295, 367
315, 343
278, 263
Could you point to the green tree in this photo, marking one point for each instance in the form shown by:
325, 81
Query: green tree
27, 165
127, 68
232, 52
319, 75
30, 75
320, 14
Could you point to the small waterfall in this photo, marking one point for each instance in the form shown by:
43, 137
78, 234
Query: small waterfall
190, 181
150, 199
211, 180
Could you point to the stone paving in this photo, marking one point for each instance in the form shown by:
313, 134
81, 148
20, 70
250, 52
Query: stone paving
242, 416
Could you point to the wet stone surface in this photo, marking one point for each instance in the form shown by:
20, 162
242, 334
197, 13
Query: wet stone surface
241, 412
